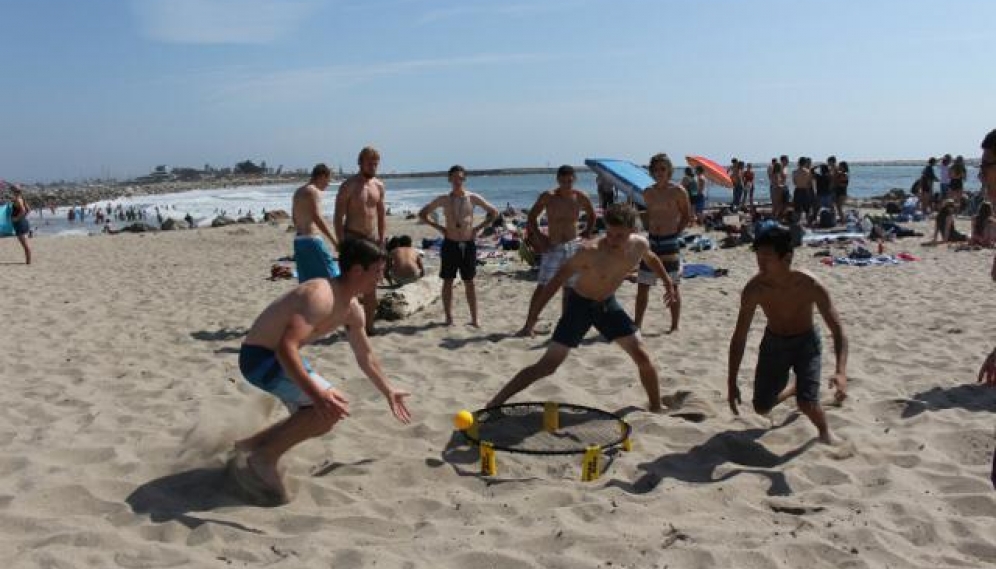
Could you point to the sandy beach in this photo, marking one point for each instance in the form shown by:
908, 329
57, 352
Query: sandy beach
122, 397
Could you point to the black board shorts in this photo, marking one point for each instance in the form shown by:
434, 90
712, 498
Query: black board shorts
779, 354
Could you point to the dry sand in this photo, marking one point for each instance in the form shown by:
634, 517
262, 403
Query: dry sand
121, 397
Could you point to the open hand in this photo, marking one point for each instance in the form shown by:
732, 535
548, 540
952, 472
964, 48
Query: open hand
332, 404
396, 399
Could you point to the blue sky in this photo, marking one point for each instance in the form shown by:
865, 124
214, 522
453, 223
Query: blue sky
115, 87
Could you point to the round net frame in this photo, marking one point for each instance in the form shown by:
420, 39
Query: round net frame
522, 428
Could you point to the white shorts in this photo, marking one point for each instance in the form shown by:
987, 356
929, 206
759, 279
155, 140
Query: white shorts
554, 258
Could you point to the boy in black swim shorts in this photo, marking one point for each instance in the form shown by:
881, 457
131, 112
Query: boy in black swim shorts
790, 341
598, 271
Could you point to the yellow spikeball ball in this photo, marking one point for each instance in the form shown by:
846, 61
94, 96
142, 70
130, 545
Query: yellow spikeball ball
463, 420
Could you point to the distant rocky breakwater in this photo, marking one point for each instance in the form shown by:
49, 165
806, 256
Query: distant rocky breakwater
77, 194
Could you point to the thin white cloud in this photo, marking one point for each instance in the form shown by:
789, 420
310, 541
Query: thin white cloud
301, 84
220, 21
467, 10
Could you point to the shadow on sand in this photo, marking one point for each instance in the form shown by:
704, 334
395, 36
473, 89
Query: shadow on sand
177, 496
970, 397
698, 464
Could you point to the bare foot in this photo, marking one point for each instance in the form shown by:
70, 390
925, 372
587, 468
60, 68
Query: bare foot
474, 324
825, 438
449, 322
268, 475
674, 329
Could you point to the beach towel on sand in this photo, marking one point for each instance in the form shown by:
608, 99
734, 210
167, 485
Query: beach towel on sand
691, 271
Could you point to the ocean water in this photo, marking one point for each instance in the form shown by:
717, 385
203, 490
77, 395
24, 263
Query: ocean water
410, 194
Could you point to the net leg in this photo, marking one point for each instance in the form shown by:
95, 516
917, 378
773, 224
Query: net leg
551, 417
489, 466
591, 465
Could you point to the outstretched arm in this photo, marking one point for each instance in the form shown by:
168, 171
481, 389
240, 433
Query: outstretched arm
748, 305
832, 319
365, 358
329, 403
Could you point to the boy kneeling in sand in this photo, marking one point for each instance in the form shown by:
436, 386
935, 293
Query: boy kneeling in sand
790, 339
270, 358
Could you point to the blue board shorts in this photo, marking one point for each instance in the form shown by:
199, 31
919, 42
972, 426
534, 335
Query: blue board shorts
22, 226
313, 259
580, 314
668, 248
260, 367
777, 355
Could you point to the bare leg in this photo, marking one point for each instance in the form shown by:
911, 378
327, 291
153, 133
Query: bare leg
633, 346
527, 328
675, 310
271, 443
642, 299
27, 248
551, 360
448, 300
814, 411
472, 302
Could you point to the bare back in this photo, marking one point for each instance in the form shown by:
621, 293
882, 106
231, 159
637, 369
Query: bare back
307, 201
668, 209
802, 178
358, 205
315, 301
601, 269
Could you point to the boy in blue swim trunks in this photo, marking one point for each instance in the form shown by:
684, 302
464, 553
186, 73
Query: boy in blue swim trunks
311, 254
270, 358
790, 341
599, 269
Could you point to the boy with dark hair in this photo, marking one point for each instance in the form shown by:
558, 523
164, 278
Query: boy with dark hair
600, 268
787, 298
458, 253
404, 263
270, 359
311, 254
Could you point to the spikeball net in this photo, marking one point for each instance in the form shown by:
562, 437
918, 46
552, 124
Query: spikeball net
548, 428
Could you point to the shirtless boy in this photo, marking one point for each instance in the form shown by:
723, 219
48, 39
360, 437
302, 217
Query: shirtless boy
669, 212
360, 213
804, 196
270, 358
787, 298
563, 206
404, 262
459, 250
600, 268
311, 254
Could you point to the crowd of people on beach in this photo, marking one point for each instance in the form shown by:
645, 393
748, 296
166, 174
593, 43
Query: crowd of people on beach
340, 265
